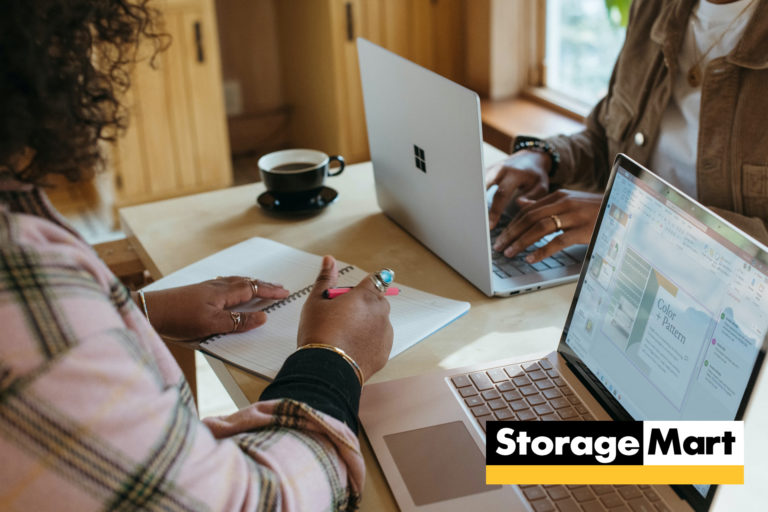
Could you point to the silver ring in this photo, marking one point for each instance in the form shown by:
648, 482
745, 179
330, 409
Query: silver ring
378, 284
383, 278
254, 287
236, 319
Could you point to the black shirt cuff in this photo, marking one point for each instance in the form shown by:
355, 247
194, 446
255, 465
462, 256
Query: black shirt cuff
321, 379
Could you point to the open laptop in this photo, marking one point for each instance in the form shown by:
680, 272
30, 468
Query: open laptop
668, 322
426, 146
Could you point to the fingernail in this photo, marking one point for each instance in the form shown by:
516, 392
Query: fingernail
530, 258
327, 262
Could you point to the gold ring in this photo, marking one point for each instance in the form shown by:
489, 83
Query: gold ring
558, 222
254, 287
236, 319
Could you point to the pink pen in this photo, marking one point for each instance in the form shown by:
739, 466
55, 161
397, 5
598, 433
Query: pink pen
332, 293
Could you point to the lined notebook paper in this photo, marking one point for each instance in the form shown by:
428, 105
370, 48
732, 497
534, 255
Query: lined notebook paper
414, 314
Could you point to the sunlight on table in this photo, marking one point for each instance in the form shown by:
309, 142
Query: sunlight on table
536, 342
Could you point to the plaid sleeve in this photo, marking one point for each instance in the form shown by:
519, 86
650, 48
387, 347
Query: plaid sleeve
95, 414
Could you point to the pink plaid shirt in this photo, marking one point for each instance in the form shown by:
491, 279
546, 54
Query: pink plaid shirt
95, 412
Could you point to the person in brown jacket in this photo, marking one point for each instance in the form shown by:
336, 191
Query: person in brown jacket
687, 98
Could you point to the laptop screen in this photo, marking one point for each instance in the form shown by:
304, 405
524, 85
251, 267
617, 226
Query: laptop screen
672, 309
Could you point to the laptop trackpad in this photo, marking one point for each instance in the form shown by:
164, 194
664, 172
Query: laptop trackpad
439, 463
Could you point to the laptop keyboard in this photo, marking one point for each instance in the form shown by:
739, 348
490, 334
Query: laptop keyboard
535, 391
529, 392
511, 267
589, 498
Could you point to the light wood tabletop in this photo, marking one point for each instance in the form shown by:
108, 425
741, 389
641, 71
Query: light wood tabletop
172, 234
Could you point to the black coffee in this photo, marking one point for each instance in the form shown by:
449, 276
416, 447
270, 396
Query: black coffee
293, 166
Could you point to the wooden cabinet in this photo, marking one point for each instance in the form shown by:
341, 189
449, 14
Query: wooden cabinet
177, 139
319, 67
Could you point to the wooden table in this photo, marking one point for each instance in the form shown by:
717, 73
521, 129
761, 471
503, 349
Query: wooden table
174, 233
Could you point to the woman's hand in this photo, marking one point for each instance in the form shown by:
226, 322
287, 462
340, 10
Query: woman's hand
200, 310
577, 212
525, 174
356, 322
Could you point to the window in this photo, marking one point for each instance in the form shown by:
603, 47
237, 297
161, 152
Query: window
583, 39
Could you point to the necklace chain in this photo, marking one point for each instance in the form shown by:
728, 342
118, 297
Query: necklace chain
694, 72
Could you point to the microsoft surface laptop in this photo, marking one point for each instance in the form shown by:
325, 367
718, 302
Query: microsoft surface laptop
668, 322
424, 134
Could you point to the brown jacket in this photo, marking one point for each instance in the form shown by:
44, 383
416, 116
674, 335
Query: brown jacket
732, 154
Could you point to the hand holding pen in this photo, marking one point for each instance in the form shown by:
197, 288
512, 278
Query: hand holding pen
356, 323
381, 280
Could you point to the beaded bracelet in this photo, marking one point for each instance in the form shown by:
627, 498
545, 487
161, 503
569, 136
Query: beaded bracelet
343, 354
532, 143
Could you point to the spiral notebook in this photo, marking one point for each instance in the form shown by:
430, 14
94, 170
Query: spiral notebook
414, 314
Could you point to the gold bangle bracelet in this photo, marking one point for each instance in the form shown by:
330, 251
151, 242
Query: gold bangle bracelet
144, 304
343, 354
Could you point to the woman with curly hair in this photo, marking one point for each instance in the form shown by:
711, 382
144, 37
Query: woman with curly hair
94, 411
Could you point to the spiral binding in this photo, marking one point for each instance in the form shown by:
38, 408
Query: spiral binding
299, 294
291, 298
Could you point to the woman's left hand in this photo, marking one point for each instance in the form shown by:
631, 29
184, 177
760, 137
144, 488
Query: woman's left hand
576, 212
200, 310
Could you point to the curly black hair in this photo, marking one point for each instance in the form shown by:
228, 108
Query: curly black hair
64, 65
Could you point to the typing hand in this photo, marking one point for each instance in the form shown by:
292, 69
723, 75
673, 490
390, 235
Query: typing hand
575, 211
523, 174
200, 310
356, 322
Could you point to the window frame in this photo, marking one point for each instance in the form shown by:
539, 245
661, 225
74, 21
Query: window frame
536, 68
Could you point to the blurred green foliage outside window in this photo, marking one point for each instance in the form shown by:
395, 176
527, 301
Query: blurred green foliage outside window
583, 38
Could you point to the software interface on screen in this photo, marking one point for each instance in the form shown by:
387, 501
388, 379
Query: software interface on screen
671, 315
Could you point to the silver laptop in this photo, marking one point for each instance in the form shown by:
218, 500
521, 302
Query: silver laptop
657, 259
425, 139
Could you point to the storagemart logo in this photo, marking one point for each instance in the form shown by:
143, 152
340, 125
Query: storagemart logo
615, 452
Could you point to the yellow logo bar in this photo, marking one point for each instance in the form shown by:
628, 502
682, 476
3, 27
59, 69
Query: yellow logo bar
616, 475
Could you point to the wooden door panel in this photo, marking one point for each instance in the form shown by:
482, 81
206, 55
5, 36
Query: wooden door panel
203, 81
127, 158
152, 110
421, 31
397, 36
448, 39
181, 103
373, 21
177, 141
354, 140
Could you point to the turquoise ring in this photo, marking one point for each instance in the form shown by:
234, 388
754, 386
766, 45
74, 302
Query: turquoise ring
383, 278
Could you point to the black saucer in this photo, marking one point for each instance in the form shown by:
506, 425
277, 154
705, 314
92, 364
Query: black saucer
269, 202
